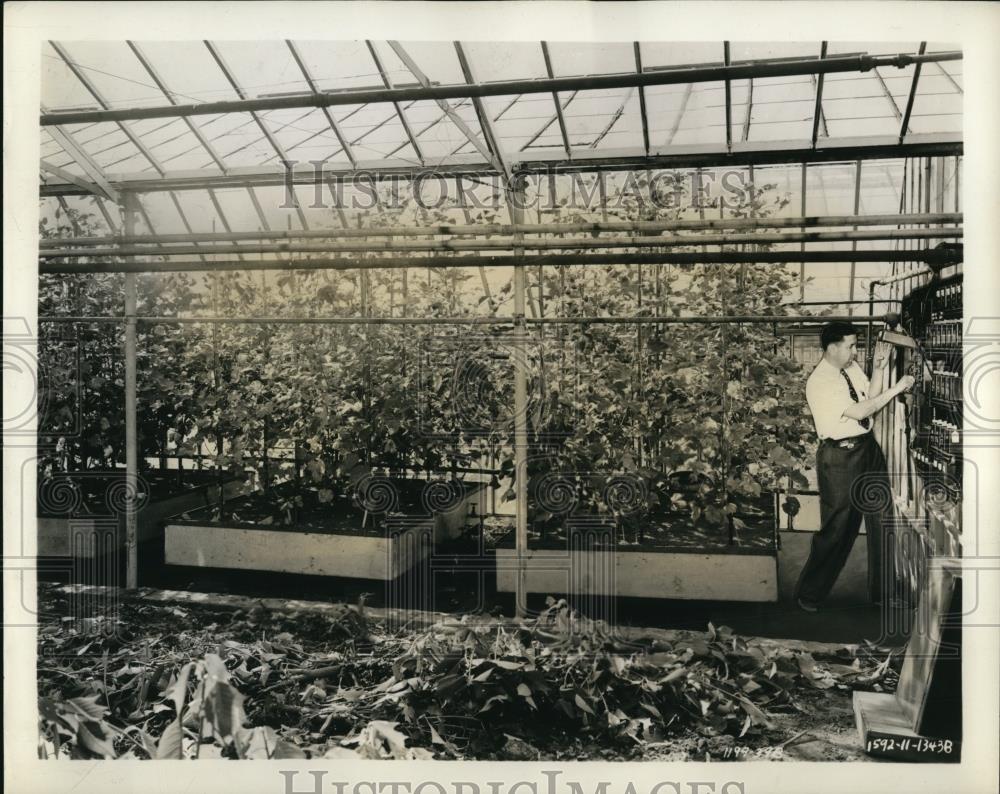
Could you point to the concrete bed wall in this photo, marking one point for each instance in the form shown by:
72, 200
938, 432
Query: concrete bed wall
693, 576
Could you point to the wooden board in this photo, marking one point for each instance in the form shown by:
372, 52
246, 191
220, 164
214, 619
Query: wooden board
930, 682
886, 733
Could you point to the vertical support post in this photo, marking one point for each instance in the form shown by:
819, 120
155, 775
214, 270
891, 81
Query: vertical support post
131, 435
515, 198
802, 265
854, 244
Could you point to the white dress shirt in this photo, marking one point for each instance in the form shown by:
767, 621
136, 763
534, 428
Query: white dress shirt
828, 398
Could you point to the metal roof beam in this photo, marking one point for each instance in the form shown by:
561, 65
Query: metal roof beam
222, 216
681, 75
745, 136
458, 230
614, 120
941, 256
457, 120
575, 242
904, 125
231, 78
951, 79
760, 153
264, 128
541, 130
888, 95
79, 181
399, 111
818, 108
345, 146
485, 124
555, 97
165, 90
642, 98
94, 92
729, 100
85, 161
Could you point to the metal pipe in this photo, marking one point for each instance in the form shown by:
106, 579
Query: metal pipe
131, 429
928, 256
508, 229
841, 303
515, 195
901, 277
504, 244
695, 319
677, 76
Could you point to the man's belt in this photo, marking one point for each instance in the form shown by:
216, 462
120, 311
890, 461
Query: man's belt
846, 443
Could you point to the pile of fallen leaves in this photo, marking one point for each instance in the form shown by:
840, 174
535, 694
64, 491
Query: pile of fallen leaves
163, 681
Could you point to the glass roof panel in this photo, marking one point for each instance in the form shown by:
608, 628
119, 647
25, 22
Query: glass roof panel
580, 58
665, 107
704, 118
659, 54
781, 109
60, 88
680, 117
297, 125
437, 60
188, 70
262, 68
342, 65
870, 47
592, 112
518, 122
114, 71
756, 51
241, 142
509, 60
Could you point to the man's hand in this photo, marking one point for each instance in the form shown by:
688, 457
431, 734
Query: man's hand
880, 359
905, 383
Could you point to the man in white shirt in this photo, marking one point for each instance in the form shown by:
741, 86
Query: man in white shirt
853, 481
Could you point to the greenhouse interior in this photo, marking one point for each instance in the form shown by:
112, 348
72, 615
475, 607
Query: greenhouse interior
448, 399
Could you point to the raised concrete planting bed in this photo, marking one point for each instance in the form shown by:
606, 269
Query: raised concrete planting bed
592, 561
82, 514
382, 529
405, 544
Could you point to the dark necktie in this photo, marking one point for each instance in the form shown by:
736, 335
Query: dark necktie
866, 422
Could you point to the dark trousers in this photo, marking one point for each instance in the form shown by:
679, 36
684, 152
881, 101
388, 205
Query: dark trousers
853, 483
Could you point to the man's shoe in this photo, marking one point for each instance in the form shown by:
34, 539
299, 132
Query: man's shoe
806, 606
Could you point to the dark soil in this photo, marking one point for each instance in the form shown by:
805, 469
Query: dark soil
93, 492
307, 509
